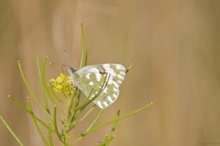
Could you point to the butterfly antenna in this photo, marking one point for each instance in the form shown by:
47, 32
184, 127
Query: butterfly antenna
67, 57
62, 66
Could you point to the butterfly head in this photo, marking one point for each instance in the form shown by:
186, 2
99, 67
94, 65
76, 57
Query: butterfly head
71, 70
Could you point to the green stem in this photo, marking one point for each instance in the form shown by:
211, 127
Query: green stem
86, 57
36, 124
93, 123
120, 118
128, 69
75, 114
90, 126
31, 91
25, 109
10, 130
87, 114
55, 124
50, 135
42, 82
83, 46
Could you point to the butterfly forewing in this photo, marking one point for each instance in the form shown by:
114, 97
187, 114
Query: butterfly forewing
93, 77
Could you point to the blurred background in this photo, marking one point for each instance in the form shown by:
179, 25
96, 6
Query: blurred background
174, 46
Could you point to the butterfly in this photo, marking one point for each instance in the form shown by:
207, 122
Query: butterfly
90, 79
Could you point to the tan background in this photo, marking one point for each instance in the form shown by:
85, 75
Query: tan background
174, 45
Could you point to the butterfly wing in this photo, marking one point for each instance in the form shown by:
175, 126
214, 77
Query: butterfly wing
93, 76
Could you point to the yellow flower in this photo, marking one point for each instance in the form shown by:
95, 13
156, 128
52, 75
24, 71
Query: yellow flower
62, 84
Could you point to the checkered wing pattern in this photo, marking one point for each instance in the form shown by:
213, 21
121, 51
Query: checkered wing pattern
93, 76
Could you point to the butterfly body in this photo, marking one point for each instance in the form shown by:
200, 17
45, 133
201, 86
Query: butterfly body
91, 78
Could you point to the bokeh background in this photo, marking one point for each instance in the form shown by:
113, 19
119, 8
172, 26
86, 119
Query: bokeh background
174, 45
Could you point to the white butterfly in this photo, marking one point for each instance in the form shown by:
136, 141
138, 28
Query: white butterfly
90, 79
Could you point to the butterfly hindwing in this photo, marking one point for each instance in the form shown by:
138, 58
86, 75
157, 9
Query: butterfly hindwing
93, 76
